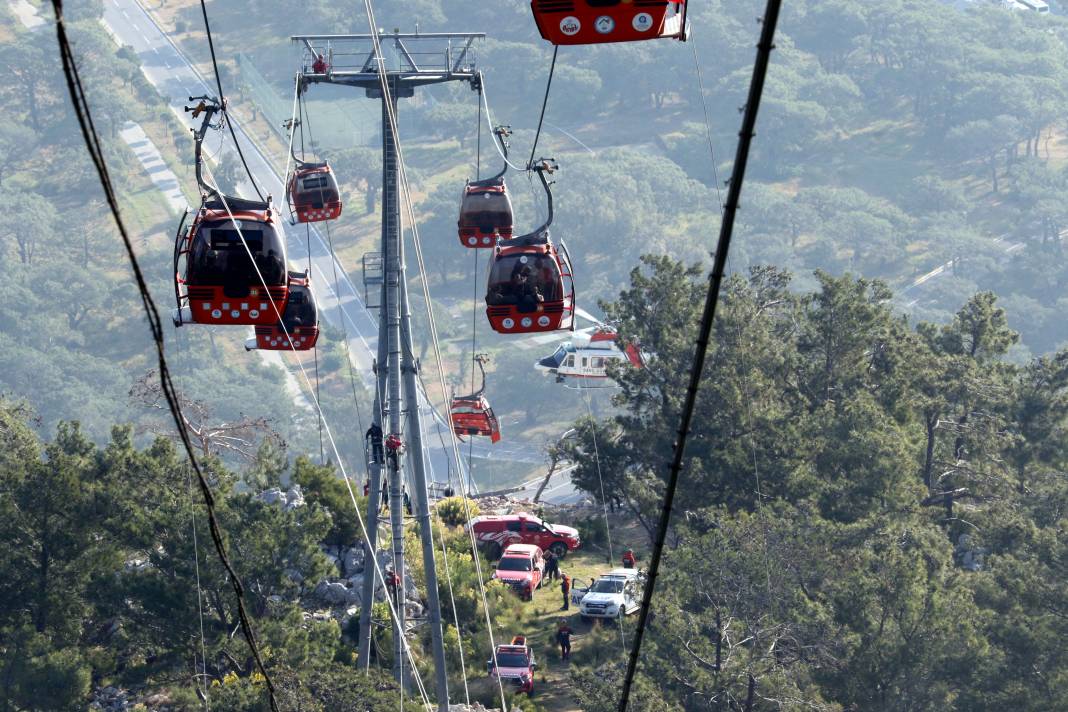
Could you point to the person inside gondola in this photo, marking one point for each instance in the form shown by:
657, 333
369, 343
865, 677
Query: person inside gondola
271, 267
527, 294
320, 65
546, 273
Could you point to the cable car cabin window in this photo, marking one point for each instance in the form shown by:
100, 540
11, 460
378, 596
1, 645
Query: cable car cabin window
231, 240
319, 188
487, 211
300, 309
219, 257
314, 182
525, 281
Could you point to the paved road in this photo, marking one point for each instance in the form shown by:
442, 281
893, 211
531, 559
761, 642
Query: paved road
176, 80
156, 168
560, 489
1006, 245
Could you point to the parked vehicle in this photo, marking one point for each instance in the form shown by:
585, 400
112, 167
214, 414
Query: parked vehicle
615, 594
514, 663
522, 566
496, 532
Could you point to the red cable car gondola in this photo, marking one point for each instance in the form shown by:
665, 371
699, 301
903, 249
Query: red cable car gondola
225, 259
531, 287
580, 22
485, 213
313, 193
234, 269
299, 328
472, 414
485, 208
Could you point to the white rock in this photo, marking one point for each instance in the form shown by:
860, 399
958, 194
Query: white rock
289, 500
337, 594
271, 496
353, 561
294, 498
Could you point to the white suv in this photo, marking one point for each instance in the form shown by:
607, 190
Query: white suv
615, 594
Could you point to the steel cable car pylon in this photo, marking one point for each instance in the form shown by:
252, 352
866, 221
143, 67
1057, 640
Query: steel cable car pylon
531, 286
397, 368
472, 414
485, 208
232, 250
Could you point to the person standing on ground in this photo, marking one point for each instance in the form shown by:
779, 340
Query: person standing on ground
552, 566
629, 560
563, 637
565, 588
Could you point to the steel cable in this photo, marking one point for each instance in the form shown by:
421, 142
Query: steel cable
330, 440
393, 128
222, 98
96, 154
544, 103
745, 138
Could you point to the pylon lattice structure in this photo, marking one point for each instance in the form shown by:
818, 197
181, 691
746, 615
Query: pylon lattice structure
414, 60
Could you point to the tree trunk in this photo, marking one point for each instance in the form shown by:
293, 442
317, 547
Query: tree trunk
220, 610
931, 421
41, 617
994, 170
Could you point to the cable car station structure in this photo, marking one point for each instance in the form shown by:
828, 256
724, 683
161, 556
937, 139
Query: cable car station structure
418, 60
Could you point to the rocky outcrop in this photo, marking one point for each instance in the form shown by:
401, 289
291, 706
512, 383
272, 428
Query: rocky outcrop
336, 593
352, 561
288, 500
111, 699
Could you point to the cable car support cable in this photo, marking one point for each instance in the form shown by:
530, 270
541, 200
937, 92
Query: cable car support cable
409, 209
222, 99
544, 103
604, 501
747, 393
96, 154
301, 123
341, 466
490, 124
333, 445
745, 137
201, 679
474, 281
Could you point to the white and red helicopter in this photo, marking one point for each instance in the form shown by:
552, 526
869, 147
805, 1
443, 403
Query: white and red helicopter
584, 359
